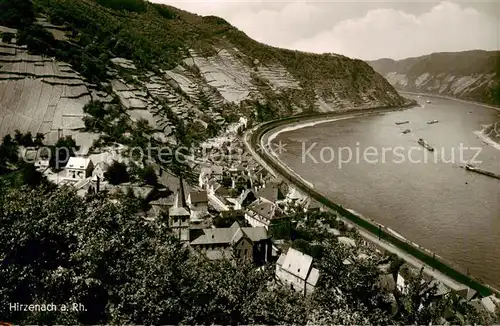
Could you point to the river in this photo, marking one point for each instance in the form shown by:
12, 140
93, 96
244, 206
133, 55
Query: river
424, 196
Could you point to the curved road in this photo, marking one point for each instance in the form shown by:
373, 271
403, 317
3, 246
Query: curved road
257, 142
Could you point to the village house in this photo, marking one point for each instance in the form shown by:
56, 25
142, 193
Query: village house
246, 197
488, 304
262, 212
296, 270
161, 206
179, 215
215, 188
79, 168
253, 244
213, 172
99, 170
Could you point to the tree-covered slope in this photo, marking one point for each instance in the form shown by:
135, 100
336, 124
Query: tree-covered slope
162, 37
472, 75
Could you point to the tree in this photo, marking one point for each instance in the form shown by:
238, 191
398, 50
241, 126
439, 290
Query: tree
415, 304
117, 173
18, 136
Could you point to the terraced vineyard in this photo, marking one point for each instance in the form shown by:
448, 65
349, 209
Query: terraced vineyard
41, 95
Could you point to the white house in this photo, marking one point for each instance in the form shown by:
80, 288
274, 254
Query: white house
79, 168
296, 270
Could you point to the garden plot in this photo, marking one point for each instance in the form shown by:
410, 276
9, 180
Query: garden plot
178, 76
7, 51
101, 96
75, 91
129, 97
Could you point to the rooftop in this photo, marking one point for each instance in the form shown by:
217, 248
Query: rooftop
299, 264
198, 197
230, 235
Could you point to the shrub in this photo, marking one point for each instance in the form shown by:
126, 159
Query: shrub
95, 109
148, 176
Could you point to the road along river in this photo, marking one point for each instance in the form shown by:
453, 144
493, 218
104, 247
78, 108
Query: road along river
423, 196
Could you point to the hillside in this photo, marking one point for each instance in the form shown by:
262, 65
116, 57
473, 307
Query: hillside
471, 75
159, 63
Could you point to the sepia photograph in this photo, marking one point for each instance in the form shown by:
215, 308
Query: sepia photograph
249, 162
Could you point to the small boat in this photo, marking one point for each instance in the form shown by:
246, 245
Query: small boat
472, 168
425, 145
469, 166
406, 131
402, 122
428, 101
432, 122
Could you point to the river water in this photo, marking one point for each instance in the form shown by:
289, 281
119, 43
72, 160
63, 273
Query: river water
426, 197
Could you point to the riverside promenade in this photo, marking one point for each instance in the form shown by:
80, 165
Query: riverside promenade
257, 142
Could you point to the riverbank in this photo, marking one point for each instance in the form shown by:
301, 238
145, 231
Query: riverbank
420, 257
451, 98
485, 134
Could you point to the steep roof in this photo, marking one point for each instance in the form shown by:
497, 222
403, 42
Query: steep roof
313, 276
230, 235
297, 263
198, 197
270, 193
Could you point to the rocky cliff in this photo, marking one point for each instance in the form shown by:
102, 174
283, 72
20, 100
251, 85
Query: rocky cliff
162, 65
471, 75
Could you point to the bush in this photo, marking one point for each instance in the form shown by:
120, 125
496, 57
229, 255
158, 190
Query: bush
16, 13
7, 37
95, 109
38, 39
117, 173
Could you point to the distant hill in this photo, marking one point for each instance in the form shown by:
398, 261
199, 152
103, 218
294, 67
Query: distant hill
155, 57
472, 75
